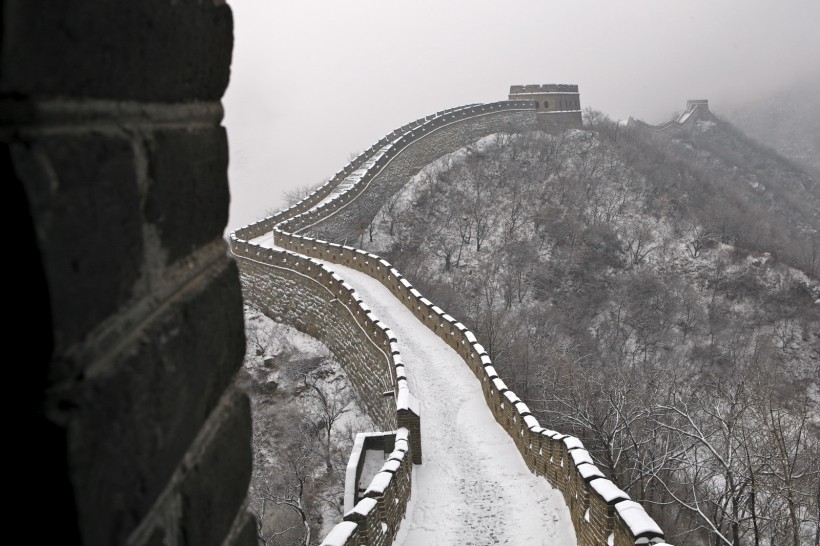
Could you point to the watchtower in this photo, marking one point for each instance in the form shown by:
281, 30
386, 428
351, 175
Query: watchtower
558, 106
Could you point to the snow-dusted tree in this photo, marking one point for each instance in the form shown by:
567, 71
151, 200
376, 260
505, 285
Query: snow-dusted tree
698, 237
519, 261
639, 242
296, 194
295, 493
519, 188
330, 403
746, 468
281, 495
809, 252
391, 212
611, 409
786, 444
477, 199
712, 478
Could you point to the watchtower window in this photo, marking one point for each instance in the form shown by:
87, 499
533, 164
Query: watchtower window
536, 104
546, 104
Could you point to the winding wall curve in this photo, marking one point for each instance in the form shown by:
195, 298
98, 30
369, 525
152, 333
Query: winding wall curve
696, 110
601, 513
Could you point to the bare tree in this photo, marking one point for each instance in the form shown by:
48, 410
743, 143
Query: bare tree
477, 197
787, 449
747, 469
297, 194
294, 493
639, 242
698, 238
281, 494
810, 254
331, 403
711, 479
391, 212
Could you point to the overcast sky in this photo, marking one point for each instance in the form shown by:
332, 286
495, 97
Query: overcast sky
314, 81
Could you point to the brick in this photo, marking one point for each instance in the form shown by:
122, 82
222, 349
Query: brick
83, 195
133, 421
188, 195
153, 50
215, 488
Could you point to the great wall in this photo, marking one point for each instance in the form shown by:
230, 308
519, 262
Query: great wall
289, 284
696, 110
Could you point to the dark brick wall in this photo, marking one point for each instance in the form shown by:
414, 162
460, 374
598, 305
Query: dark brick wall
111, 139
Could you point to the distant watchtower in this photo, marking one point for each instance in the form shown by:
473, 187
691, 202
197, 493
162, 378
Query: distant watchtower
558, 106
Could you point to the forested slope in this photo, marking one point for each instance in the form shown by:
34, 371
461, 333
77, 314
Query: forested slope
785, 121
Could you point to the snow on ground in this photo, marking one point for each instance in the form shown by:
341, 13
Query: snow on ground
473, 486
373, 463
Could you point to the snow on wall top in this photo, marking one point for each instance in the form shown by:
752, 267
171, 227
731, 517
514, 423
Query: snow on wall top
363, 507
608, 490
379, 484
637, 519
340, 534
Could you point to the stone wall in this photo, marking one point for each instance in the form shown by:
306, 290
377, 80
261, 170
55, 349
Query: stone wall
348, 215
384, 500
696, 110
112, 144
302, 292
601, 513
558, 106
313, 300
552, 122
265, 225
346, 224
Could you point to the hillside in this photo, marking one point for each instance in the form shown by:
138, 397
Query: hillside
305, 418
655, 295
785, 121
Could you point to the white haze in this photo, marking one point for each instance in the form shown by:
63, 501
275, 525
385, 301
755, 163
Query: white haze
314, 81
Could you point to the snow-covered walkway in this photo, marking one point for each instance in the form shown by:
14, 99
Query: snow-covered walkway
473, 486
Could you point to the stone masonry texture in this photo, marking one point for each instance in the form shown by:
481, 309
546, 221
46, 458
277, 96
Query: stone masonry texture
306, 305
152, 50
112, 145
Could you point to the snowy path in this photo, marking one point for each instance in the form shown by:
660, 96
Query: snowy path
473, 487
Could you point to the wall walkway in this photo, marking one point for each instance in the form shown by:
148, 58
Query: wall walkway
599, 511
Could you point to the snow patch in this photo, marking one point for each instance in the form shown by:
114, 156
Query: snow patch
637, 519
608, 490
340, 534
380, 483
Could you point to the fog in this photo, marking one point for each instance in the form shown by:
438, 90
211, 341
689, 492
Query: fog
314, 82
